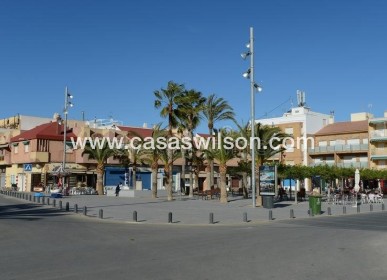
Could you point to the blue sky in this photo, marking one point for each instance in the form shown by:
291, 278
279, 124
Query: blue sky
114, 54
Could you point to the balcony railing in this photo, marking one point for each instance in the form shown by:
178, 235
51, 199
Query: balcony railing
356, 164
339, 148
378, 134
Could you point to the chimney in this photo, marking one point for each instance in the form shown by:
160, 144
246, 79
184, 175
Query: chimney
145, 125
385, 114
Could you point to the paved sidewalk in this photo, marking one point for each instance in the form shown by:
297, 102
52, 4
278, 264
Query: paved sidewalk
195, 211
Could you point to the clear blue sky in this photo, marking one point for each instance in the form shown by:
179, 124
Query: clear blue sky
114, 54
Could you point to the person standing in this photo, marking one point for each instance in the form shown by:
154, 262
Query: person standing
118, 188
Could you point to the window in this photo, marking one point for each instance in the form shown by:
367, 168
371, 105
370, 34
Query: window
26, 148
289, 130
322, 143
332, 143
16, 149
353, 141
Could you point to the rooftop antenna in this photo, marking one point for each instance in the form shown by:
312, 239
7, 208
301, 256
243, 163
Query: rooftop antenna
332, 112
301, 98
369, 108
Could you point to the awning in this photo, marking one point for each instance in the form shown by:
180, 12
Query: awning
376, 157
4, 145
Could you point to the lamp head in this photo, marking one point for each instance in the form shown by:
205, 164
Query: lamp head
247, 74
69, 95
257, 87
245, 55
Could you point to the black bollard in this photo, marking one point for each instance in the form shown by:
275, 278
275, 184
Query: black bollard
170, 217
270, 215
76, 208
67, 206
344, 210
134, 216
244, 217
371, 207
85, 210
383, 207
291, 214
30, 198
358, 208
54, 203
211, 218
43, 200
329, 211
60, 204
38, 199
100, 214
48, 201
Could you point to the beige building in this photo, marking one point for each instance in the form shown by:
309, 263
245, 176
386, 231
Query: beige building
378, 142
342, 144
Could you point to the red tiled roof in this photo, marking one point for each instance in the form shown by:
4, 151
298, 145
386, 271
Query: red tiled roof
48, 131
344, 127
143, 132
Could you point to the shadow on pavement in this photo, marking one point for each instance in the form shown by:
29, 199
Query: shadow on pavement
29, 212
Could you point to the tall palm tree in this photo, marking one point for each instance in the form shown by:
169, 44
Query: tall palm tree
223, 155
216, 109
190, 105
101, 155
166, 100
152, 156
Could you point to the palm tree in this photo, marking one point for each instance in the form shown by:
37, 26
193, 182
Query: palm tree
167, 98
101, 155
190, 106
244, 165
152, 157
223, 155
216, 109
167, 156
271, 142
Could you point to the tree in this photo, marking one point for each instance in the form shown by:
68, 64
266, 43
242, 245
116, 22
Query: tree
152, 156
190, 106
101, 155
223, 154
166, 100
216, 109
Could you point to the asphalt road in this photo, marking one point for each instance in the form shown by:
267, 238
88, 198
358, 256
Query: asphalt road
38, 242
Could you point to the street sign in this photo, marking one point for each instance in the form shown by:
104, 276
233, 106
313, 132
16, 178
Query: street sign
27, 167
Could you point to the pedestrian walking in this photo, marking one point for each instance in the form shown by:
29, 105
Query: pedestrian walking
118, 188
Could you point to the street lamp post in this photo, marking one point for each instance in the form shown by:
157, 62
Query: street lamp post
249, 74
67, 104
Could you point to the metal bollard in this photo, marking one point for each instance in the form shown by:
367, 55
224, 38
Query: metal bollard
329, 211
48, 201
291, 214
30, 198
270, 215
244, 217
67, 206
134, 216
38, 199
344, 210
371, 207
43, 200
60, 204
358, 208
76, 208
383, 207
100, 214
211, 218
84, 210
170, 217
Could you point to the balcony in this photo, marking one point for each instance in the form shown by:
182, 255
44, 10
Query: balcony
378, 154
355, 164
378, 135
39, 156
359, 148
5, 159
329, 163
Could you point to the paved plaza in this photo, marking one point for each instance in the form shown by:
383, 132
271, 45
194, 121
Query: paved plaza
196, 211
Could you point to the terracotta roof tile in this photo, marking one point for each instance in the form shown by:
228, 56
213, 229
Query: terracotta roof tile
344, 127
49, 131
